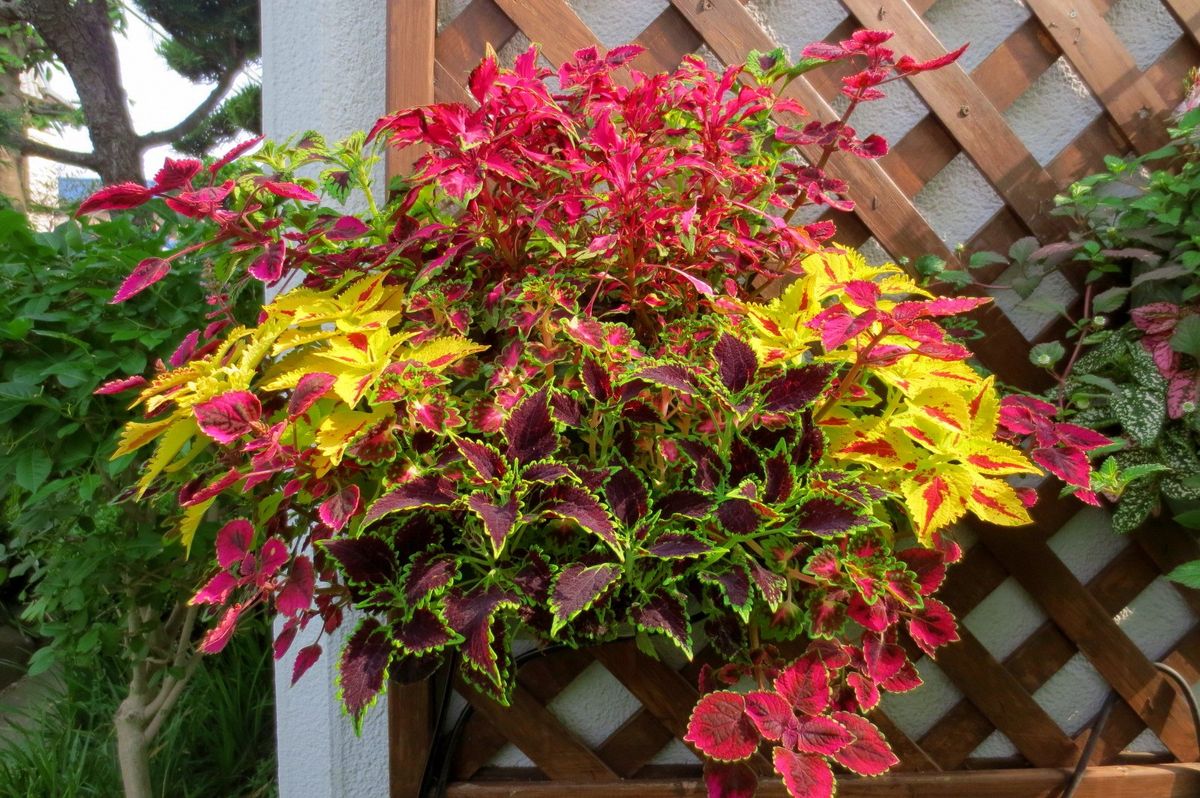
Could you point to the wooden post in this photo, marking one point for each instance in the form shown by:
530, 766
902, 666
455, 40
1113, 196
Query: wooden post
411, 30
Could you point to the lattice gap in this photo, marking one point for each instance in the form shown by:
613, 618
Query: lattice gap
985, 25
1145, 27
617, 23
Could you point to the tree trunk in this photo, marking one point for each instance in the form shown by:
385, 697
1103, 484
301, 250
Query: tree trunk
133, 750
14, 183
81, 34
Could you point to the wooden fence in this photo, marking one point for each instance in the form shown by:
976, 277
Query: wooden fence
965, 115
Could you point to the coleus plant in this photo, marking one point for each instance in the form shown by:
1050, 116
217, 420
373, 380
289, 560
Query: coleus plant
537, 393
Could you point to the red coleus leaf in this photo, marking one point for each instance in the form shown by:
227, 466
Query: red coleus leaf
1079, 437
805, 684
908, 66
928, 564
347, 228
297, 593
363, 668
730, 780
822, 735
721, 729
268, 267
498, 518
1068, 464
144, 275
471, 615
933, 627
483, 78
187, 347
227, 417
308, 390
337, 510
201, 203
579, 587
288, 190
305, 659
218, 637
422, 633
804, 776
736, 362
772, 715
873, 146
866, 691
869, 754
233, 153
115, 198
797, 389
233, 541
175, 173
364, 560
216, 590
529, 430
120, 385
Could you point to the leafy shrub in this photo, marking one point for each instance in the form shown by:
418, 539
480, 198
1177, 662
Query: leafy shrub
537, 393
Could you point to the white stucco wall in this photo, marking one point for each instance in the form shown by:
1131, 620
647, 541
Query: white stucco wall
323, 68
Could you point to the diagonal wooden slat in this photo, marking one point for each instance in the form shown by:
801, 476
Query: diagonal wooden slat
462, 43
667, 40
1187, 13
552, 25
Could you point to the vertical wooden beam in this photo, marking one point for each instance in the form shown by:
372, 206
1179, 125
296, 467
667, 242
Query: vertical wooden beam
410, 736
411, 31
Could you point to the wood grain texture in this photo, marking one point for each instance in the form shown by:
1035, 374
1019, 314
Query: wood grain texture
411, 29
410, 736
462, 44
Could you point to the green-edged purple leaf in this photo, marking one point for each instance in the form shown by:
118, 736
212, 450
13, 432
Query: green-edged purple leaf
472, 616
669, 376
582, 507
567, 409
422, 633
804, 775
734, 584
486, 461
366, 560
547, 472
678, 545
780, 480
362, 672
769, 583
738, 516
427, 575
596, 380
665, 613
690, 503
336, 511
869, 754
626, 496
227, 417
798, 388
736, 362
709, 468
498, 519
577, 588
431, 491
530, 430
721, 729
827, 517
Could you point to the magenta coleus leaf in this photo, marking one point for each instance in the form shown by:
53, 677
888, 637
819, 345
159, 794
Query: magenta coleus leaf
268, 267
289, 190
233, 541
498, 518
175, 174
362, 671
1068, 464
577, 588
115, 198
347, 228
772, 715
216, 590
364, 560
804, 776
805, 684
308, 391
297, 593
869, 754
187, 347
422, 633
933, 627
736, 362
144, 275
721, 729
730, 780
218, 637
120, 385
798, 388
305, 659
233, 153
227, 417
821, 734
336, 511
530, 430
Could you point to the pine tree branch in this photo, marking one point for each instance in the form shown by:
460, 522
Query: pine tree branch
40, 149
197, 116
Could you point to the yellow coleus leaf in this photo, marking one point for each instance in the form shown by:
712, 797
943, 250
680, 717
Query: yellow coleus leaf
995, 501
339, 429
137, 434
190, 522
442, 352
887, 449
994, 458
778, 331
985, 410
935, 498
172, 441
938, 412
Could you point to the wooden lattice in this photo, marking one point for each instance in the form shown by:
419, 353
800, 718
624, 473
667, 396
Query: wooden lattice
965, 115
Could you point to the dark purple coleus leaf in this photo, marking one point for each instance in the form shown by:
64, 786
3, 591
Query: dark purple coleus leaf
825, 516
567, 409
665, 613
583, 508
730, 780
797, 388
734, 584
530, 430
769, 583
738, 516
227, 417
626, 496
431, 491
305, 659
471, 615
486, 461
709, 468
670, 376
780, 481
677, 545
365, 560
804, 775
144, 275
869, 754
690, 503
428, 574
547, 472
498, 518
268, 267
363, 668
721, 729
336, 511
579, 587
309, 389
596, 380
736, 362
422, 633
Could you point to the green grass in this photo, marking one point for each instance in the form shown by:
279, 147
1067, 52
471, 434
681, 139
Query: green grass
218, 743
